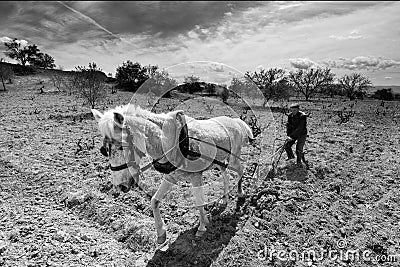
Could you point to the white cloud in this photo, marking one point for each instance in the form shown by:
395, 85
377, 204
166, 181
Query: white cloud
302, 63
354, 35
5, 39
23, 43
364, 62
350, 37
388, 78
388, 63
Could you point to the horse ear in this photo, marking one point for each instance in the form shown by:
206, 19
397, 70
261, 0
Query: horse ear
119, 118
179, 116
97, 114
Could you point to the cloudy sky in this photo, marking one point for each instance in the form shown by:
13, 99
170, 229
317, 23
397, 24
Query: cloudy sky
345, 36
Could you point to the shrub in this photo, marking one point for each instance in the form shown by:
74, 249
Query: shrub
131, 75
224, 94
384, 94
89, 84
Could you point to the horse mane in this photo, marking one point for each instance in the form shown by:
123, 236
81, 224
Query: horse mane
106, 123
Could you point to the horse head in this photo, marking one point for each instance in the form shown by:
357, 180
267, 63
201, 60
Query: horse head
124, 147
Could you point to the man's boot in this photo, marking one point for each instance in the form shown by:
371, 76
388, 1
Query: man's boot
305, 162
289, 152
299, 158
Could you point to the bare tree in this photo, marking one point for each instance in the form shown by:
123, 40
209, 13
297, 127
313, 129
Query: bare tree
271, 82
89, 84
71, 82
57, 80
209, 107
331, 90
354, 85
308, 82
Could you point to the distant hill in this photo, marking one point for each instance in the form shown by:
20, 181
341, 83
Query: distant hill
28, 70
395, 88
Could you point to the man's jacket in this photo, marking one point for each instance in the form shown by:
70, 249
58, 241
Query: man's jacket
296, 125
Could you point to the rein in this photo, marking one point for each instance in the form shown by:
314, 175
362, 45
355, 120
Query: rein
217, 146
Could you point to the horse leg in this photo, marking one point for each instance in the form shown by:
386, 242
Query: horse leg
199, 197
162, 191
203, 222
239, 167
236, 164
225, 199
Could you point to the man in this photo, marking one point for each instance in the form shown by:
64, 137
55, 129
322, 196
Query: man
296, 129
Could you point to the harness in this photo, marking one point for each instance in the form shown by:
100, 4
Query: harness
168, 167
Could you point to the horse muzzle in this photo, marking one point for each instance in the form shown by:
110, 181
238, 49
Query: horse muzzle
124, 187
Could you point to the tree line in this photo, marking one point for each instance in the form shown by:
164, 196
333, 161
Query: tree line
273, 83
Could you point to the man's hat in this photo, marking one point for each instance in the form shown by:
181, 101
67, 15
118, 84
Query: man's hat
295, 105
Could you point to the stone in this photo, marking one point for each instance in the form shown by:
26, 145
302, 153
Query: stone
61, 236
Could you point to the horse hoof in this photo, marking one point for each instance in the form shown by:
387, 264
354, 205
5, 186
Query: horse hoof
200, 233
161, 239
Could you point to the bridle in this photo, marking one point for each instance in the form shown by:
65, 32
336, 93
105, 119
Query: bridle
105, 150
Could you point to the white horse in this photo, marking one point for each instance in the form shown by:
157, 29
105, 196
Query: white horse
218, 140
